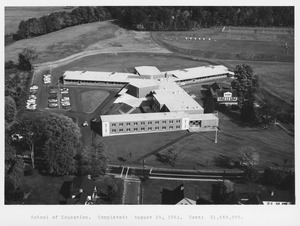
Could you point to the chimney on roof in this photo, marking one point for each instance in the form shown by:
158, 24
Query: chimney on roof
272, 193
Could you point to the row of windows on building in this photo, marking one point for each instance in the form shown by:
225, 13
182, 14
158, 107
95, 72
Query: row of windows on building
97, 82
144, 123
144, 129
204, 77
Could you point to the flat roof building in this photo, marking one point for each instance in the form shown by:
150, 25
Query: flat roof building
156, 122
174, 108
141, 87
150, 72
199, 73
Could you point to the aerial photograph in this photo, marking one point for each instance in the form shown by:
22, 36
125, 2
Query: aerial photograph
149, 105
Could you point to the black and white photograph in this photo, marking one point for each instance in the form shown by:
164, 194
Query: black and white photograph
153, 114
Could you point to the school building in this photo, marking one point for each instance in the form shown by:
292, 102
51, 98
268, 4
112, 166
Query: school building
173, 108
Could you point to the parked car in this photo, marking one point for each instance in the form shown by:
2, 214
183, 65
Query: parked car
65, 99
33, 92
34, 87
52, 105
31, 101
31, 106
65, 103
16, 137
32, 97
52, 100
94, 120
64, 90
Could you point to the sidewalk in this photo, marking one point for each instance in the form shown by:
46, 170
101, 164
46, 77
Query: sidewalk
131, 192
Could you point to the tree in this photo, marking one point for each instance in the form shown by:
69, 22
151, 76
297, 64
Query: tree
26, 58
275, 175
251, 173
61, 144
246, 85
32, 131
209, 105
172, 156
13, 177
248, 157
10, 109
247, 110
224, 193
92, 161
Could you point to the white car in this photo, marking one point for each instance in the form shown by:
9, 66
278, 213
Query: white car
16, 137
31, 107
32, 97
65, 99
34, 87
52, 100
31, 101
53, 105
65, 103
64, 90
47, 81
31, 104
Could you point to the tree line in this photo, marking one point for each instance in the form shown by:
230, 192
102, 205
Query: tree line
59, 20
163, 18
187, 18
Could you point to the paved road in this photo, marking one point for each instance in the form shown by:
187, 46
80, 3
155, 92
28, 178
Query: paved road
176, 174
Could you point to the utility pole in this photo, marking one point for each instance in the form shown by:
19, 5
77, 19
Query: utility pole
216, 135
144, 168
31, 148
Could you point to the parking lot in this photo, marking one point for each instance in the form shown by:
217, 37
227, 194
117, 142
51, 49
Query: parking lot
58, 98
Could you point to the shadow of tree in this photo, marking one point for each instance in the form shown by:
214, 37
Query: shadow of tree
225, 161
162, 158
121, 159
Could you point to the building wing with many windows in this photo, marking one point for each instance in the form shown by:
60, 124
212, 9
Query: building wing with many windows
172, 107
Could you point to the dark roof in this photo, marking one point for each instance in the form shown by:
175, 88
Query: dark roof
179, 193
84, 183
201, 201
215, 86
172, 197
278, 196
65, 189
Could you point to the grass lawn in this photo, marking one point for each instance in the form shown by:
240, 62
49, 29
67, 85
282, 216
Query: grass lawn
199, 151
14, 15
63, 43
123, 61
44, 189
117, 148
152, 189
229, 45
91, 100
276, 77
